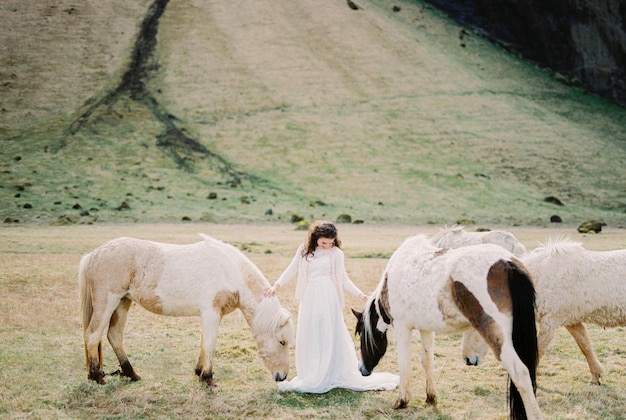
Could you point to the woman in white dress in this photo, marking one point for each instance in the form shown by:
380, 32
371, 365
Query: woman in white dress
325, 353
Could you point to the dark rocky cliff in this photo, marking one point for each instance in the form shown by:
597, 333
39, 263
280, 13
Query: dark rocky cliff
584, 41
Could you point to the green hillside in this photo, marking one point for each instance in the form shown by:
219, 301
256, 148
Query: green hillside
313, 108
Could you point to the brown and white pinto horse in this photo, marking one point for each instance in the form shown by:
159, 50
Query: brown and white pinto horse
208, 278
436, 290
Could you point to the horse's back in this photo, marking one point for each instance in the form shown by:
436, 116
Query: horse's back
421, 276
578, 285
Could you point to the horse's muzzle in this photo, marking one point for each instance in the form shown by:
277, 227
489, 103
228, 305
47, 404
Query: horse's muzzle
279, 378
364, 370
472, 361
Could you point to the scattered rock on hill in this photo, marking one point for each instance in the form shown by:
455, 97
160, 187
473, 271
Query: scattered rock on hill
591, 226
303, 225
553, 200
344, 218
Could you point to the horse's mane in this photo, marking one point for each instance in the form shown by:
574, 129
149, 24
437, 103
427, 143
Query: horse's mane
367, 325
213, 241
240, 257
435, 238
372, 305
558, 246
268, 316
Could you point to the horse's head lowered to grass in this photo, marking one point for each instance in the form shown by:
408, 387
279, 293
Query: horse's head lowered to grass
372, 328
274, 334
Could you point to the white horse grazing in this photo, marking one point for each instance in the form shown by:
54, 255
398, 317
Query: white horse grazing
457, 236
574, 285
209, 278
432, 290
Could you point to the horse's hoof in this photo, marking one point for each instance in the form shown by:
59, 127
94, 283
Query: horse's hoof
129, 372
400, 404
98, 377
100, 380
207, 378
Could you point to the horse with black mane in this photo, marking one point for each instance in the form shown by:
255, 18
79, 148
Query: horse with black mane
448, 291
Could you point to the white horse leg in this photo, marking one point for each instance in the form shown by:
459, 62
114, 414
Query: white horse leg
116, 338
545, 335
521, 378
208, 341
403, 343
579, 332
428, 363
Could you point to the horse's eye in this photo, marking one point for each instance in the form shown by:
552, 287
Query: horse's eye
282, 342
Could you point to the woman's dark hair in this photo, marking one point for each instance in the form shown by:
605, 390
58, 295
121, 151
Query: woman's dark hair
321, 229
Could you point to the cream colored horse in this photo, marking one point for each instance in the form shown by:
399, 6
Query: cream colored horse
457, 236
209, 278
574, 285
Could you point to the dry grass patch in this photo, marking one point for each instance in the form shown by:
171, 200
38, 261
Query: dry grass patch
43, 375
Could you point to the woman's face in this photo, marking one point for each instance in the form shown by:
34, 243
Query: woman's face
325, 243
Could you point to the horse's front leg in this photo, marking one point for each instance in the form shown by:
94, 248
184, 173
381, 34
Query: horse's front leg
403, 342
579, 332
208, 341
428, 362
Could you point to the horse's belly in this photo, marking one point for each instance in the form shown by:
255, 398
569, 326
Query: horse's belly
428, 308
180, 309
170, 306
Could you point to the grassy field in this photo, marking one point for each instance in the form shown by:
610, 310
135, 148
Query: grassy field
42, 372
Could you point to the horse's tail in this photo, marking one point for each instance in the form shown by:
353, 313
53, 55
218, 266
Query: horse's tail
86, 304
524, 332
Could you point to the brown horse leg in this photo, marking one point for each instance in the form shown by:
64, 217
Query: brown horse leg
116, 338
204, 376
579, 332
198, 369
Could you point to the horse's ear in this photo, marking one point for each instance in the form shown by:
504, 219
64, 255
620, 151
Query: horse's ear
285, 316
357, 314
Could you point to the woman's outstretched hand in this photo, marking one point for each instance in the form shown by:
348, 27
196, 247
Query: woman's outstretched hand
271, 291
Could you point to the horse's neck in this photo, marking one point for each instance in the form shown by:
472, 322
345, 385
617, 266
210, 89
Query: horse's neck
248, 305
252, 292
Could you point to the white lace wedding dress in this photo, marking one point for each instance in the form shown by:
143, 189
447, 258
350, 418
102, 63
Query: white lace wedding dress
325, 353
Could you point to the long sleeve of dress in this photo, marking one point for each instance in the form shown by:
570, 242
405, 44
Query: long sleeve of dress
292, 268
343, 278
